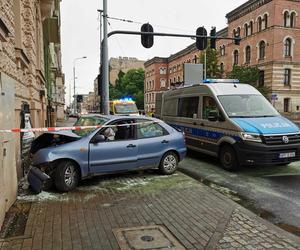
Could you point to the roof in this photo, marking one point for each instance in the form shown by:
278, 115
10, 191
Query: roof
232, 89
245, 8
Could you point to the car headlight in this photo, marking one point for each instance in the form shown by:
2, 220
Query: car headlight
251, 137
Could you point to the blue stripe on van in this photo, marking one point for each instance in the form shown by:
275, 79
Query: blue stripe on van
197, 132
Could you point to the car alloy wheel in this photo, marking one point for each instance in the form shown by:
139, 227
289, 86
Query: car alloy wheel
170, 163
70, 175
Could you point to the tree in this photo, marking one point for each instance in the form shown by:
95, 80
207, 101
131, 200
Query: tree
212, 67
250, 75
130, 84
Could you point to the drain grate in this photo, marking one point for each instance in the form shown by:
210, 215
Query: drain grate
146, 237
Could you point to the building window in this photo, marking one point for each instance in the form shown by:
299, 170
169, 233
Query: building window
235, 57
259, 24
162, 83
250, 28
287, 77
286, 17
261, 78
222, 67
222, 50
238, 32
288, 47
248, 54
234, 33
246, 30
178, 79
262, 50
265, 21
293, 19
286, 104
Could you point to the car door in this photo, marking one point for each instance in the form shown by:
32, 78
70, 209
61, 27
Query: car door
118, 152
153, 140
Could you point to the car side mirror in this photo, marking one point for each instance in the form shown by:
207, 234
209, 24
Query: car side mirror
98, 138
213, 116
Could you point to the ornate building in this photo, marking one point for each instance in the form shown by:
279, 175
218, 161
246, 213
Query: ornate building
270, 40
30, 71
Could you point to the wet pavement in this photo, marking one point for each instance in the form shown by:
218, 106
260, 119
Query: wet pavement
272, 192
138, 211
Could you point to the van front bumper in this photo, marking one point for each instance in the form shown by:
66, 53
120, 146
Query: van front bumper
252, 153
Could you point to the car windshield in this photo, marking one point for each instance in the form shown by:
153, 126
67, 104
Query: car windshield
88, 121
247, 106
126, 108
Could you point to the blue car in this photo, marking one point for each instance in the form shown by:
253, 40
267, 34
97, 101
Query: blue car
122, 144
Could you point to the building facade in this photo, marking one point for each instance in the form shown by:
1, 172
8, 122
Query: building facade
270, 40
122, 64
162, 74
23, 80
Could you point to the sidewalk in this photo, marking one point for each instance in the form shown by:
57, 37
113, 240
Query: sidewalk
144, 211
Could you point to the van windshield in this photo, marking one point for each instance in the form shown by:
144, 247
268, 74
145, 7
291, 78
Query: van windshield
126, 108
247, 106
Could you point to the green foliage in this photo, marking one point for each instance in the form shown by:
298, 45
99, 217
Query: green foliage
129, 84
250, 75
212, 64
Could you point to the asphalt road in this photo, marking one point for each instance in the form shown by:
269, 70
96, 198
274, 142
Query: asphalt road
271, 192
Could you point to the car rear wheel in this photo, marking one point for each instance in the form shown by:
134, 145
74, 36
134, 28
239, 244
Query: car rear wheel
169, 163
228, 158
66, 176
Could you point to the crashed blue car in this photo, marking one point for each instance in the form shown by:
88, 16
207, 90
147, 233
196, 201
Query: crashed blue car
122, 144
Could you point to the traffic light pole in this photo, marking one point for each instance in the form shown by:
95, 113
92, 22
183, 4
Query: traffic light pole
104, 61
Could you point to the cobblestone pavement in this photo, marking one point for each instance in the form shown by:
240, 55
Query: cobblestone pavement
196, 215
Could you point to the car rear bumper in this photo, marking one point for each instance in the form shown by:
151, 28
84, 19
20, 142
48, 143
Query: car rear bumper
251, 153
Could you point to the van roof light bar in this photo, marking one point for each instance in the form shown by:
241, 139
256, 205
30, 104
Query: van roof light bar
221, 81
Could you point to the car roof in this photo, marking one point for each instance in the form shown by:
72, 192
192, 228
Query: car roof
116, 117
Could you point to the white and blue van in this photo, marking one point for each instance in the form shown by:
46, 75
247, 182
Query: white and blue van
232, 121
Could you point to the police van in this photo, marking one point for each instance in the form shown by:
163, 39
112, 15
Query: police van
232, 121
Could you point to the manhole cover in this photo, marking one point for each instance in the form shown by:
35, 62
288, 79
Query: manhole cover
148, 237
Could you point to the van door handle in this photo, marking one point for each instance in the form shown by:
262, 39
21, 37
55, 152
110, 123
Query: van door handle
202, 124
131, 146
194, 123
165, 141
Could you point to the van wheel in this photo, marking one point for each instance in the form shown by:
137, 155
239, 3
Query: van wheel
66, 176
228, 158
169, 163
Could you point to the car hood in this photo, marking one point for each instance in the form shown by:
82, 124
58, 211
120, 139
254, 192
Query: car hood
51, 139
267, 125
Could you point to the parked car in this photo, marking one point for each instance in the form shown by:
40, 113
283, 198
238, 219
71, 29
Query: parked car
130, 143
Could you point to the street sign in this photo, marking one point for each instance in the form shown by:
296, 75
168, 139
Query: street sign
274, 97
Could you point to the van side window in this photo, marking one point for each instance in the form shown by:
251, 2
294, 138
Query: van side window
209, 104
188, 106
169, 108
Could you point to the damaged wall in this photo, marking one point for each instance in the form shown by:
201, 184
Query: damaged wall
8, 173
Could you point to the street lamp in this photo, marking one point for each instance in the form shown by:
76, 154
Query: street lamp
74, 76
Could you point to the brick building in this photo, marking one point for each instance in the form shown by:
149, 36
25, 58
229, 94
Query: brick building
270, 38
163, 73
29, 68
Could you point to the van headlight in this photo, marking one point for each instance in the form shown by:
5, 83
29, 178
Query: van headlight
251, 137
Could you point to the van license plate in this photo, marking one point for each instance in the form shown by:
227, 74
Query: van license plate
287, 155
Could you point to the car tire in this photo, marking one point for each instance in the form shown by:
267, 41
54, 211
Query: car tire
228, 158
169, 163
66, 176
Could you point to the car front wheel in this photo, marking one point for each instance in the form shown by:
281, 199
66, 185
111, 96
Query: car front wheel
169, 163
228, 158
66, 176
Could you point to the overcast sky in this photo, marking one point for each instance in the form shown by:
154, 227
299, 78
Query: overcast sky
80, 30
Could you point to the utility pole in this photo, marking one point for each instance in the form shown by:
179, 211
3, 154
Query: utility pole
74, 77
205, 62
104, 62
100, 66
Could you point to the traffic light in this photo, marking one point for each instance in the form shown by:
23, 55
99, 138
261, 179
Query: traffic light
237, 40
79, 98
147, 39
201, 42
213, 40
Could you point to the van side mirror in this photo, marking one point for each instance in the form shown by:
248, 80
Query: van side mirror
213, 116
98, 138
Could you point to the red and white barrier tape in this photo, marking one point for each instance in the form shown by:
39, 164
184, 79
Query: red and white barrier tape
55, 129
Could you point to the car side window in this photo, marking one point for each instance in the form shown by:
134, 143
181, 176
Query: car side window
149, 130
123, 130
